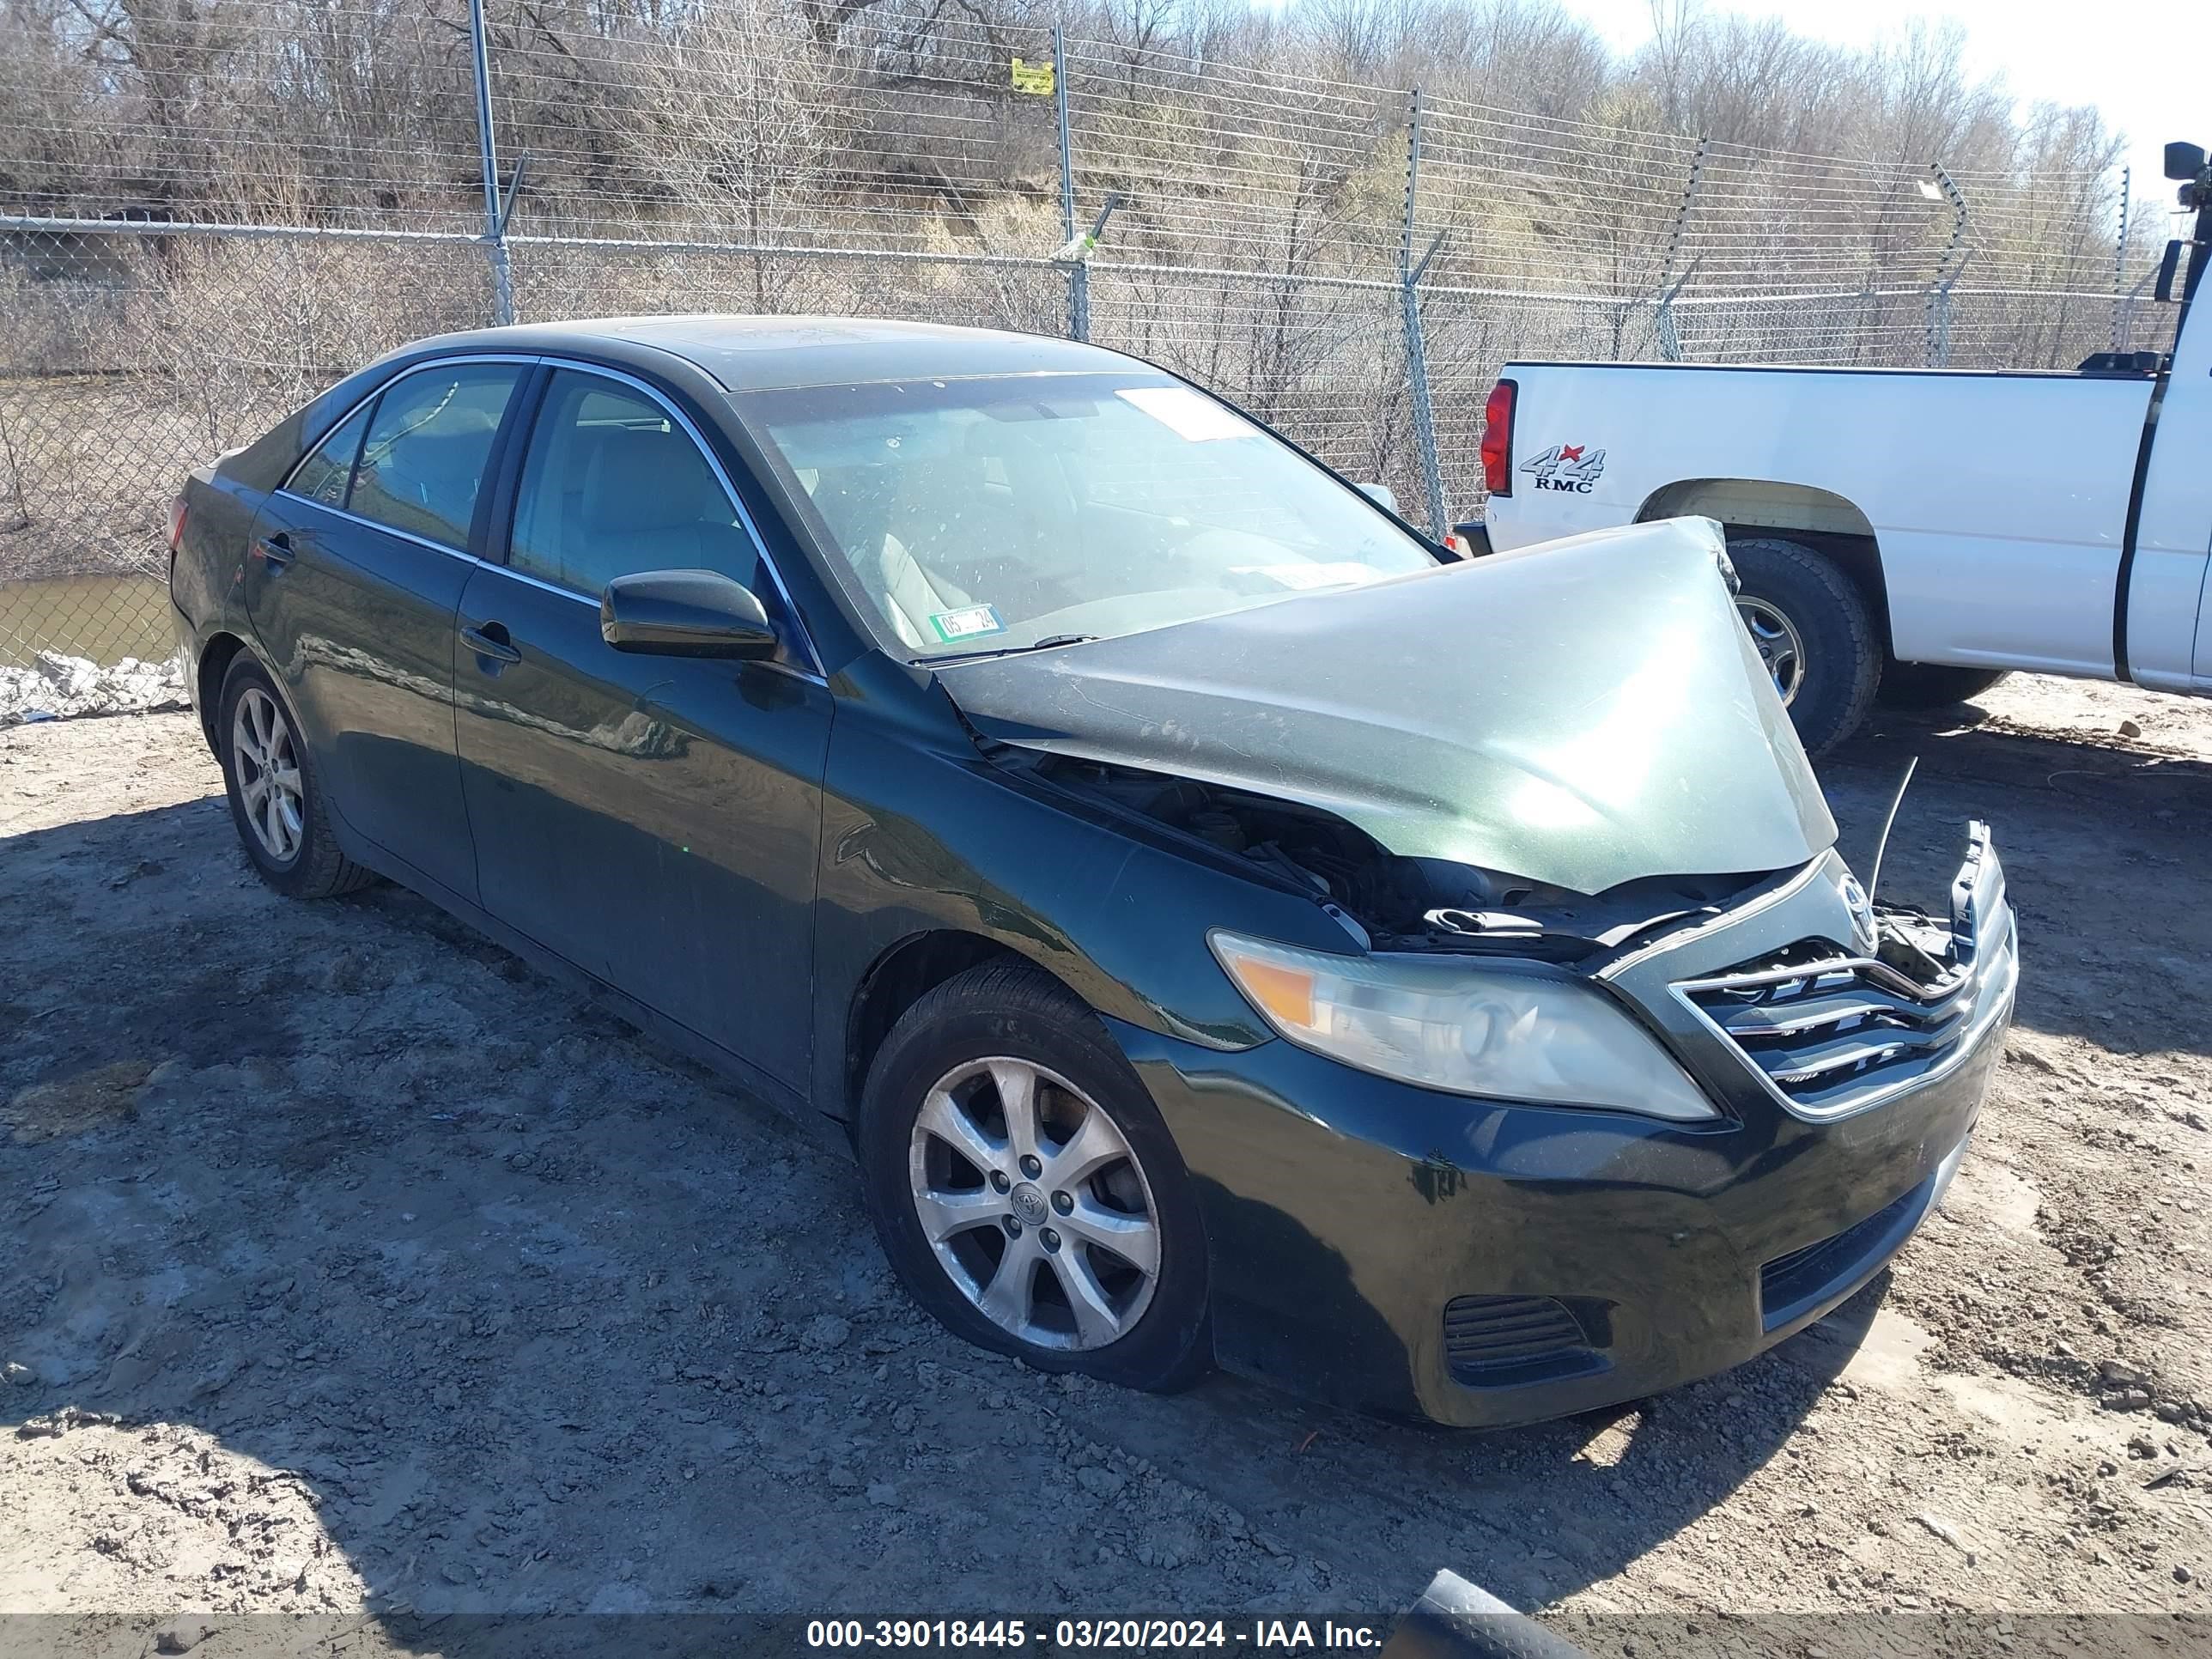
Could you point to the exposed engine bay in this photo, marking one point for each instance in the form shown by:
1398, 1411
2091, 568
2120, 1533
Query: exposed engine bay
1390, 902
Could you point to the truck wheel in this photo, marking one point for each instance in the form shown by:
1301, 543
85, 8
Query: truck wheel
1814, 633
1932, 685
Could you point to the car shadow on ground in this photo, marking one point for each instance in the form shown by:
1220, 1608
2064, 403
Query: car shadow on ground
1534, 1513
539, 1316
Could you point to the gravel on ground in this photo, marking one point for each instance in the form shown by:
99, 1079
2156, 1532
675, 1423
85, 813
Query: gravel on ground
350, 1269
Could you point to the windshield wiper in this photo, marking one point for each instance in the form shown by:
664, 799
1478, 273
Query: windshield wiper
1050, 642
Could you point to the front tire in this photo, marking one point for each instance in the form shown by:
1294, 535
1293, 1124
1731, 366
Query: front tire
1024, 1188
1814, 633
275, 791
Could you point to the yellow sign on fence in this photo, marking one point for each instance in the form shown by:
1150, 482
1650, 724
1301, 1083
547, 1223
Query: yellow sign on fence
1033, 77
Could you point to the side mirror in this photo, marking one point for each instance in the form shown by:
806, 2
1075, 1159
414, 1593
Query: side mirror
685, 613
1382, 495
2184, 162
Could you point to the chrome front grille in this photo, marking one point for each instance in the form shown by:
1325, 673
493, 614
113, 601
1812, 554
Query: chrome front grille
1829, 1033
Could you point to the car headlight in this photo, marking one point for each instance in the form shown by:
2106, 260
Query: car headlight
1466, 1028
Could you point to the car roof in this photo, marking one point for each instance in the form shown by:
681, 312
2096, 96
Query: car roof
753, 354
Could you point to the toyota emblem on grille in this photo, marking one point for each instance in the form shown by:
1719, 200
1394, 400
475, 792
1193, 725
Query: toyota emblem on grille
1863, 935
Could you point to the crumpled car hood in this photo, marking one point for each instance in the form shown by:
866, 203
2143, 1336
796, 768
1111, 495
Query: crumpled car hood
1580, 714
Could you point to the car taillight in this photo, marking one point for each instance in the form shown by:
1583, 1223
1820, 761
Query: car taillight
176, 523
1497, 439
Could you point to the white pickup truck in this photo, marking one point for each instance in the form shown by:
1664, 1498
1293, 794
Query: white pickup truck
1904, 533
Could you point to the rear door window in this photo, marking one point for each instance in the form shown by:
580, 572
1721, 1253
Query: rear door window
422, 460
327, 473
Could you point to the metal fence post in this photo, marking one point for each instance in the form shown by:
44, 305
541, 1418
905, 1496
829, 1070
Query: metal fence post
1078, 274
1417, 356
1670, 343
1424, 421
2120, 263
494, 236
1938, 340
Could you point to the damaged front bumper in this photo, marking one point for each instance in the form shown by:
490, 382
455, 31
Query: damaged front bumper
1851, 1029
1476, 1262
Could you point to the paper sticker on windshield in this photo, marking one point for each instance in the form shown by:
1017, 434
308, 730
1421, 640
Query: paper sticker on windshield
1341, 573
1186, 414
966, 623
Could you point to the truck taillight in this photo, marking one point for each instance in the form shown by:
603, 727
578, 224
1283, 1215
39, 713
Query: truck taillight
176, 523
1497, 439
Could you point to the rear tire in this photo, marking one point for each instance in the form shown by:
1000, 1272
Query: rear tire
1021, 1251
275, 793
1795, 600
1933, 685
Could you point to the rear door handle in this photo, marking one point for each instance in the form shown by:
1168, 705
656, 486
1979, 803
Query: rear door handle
275, 552
490, 641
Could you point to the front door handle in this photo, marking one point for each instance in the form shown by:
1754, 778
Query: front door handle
275, 552
490, 641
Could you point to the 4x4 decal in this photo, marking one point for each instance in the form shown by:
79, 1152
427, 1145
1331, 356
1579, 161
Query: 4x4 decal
1566, 467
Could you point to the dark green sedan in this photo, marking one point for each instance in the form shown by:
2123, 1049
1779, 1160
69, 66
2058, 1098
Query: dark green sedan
1227, 927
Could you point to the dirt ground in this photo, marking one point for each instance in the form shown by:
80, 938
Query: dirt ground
351, 1270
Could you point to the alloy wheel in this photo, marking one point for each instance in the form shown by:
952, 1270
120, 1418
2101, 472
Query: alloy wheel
1779, 646
1035, 1204
269, 782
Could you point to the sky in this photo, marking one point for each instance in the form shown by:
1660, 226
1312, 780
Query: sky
2147, 67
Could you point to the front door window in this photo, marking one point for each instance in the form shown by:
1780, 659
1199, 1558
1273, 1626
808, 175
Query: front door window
612, 486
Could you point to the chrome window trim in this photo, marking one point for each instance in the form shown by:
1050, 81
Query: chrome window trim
439, 547
537, 582
798, 669
811, 668
361, 403
351, 516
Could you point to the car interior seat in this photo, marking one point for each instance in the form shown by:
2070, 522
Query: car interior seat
650, 502
861, 506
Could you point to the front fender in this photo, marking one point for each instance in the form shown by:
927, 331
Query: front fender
1119, 917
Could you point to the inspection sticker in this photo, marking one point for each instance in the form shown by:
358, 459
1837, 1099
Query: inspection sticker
1189, 414
966, 624
1319, 573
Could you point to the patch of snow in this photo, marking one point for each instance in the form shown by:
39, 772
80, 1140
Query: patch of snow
56, 687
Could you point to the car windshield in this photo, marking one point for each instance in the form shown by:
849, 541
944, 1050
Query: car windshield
999, 513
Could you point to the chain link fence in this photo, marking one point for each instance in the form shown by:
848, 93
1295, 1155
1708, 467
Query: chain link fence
1350, 262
